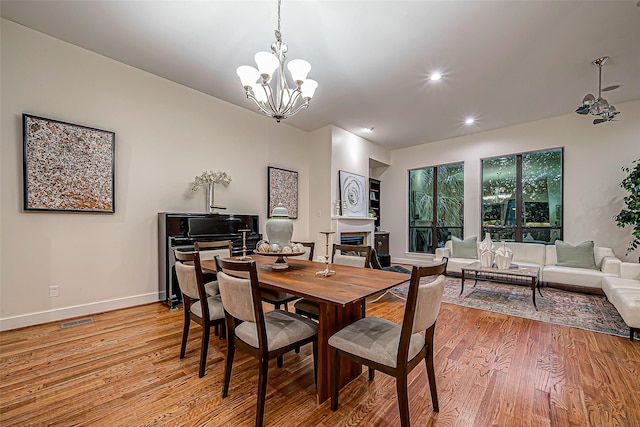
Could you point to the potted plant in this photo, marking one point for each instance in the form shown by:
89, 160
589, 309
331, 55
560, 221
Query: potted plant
631, 215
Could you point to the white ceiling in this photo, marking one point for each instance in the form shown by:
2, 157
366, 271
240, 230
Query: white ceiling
504, 62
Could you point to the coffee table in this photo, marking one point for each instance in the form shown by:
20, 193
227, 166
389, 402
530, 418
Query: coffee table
515, 274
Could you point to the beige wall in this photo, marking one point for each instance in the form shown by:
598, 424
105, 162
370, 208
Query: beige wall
165, 135
592, 174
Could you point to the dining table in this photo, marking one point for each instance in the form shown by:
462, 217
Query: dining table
341, 298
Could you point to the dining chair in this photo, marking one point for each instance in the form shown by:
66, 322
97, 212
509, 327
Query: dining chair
278, 298
208, 251
263, 335
391, 348
205, 310
375, 264
351, 255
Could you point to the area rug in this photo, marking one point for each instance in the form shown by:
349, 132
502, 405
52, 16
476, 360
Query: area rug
574, 309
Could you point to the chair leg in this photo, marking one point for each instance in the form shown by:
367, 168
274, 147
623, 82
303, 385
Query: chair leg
228, 365
204, 347
262, 391
431, 373
403, 400
185, 333
280, 361
334, 362
632, 332
372, 373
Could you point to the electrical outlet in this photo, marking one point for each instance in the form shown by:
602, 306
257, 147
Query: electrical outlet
54, 291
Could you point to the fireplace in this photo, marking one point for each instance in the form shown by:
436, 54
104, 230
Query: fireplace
353, 238
354, 230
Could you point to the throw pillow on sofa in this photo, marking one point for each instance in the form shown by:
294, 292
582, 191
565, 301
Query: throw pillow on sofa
467, 248
578, 256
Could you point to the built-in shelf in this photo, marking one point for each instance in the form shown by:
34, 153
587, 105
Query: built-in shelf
374, 199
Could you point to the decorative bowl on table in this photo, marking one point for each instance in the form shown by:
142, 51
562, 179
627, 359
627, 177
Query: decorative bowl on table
281, 252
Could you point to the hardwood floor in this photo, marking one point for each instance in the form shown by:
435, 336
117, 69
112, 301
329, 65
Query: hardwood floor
123, 370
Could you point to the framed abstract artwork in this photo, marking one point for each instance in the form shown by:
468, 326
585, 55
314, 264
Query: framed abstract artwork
353, 190
282, 188
67, 167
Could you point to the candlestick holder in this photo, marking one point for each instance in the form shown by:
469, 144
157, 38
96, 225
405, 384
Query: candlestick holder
326, 272
244, 256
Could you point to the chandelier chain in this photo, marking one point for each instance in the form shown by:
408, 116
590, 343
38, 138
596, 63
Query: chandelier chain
278, 33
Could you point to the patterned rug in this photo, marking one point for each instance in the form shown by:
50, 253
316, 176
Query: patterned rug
584, 311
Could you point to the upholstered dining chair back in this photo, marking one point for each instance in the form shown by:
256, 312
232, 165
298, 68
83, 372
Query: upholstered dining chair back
428, 304
429, 296
187, 273
351, 255
210, 250
237, 296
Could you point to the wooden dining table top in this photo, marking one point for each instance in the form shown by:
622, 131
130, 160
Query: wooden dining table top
349, 284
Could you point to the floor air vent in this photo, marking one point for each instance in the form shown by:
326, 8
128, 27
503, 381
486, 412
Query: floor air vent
76, 322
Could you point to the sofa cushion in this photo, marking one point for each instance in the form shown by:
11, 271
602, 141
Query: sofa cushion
579, 277
579, 256
467, 248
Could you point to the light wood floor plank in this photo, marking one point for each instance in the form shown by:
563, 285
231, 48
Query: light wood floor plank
492, 369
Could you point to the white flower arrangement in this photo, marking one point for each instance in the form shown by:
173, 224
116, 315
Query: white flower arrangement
210, 177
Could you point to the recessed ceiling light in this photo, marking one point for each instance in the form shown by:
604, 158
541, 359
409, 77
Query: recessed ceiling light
367, 129
469, 121
435, 76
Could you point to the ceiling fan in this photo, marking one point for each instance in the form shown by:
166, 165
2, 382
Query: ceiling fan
600, 106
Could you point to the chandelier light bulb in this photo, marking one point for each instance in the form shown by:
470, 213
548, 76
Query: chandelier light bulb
299, 68
309, 88
469, 121
267, 64
248, 76
436, 76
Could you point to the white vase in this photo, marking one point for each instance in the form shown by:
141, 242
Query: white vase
210, 198
504, 256
485, 251
279, 227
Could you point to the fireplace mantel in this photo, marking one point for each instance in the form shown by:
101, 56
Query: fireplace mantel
351, 224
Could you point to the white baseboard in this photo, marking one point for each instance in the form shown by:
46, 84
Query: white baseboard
37, 318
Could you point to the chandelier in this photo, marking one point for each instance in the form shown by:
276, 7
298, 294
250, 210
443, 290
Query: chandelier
267, 86
600, 106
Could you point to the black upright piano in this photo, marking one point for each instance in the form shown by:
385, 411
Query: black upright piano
181, 230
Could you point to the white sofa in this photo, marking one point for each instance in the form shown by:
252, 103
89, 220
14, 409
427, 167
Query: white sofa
544, 256
624, 293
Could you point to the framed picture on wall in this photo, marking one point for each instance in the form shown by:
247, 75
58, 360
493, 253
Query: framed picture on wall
282, 188
67, 167
353, 190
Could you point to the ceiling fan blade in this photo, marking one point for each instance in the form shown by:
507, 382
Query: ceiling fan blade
583, 109
612, 87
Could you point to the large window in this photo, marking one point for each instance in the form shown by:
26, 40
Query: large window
522, 197
432, 224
